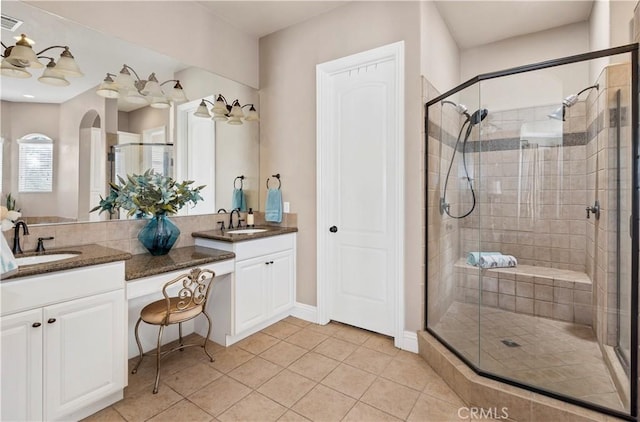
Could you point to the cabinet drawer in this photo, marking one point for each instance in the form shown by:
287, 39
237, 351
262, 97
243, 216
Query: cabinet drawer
31, 292
264, 246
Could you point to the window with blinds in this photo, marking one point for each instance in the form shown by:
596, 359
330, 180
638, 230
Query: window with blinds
35, 163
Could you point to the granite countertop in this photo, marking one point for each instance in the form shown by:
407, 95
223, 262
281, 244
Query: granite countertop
225, 236
88, 255
145, 265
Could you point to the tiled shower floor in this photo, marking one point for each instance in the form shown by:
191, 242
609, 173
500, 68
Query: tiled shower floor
558, 356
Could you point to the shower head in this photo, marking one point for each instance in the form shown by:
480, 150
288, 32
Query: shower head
571, 100
558, 114
460, 108
478, 116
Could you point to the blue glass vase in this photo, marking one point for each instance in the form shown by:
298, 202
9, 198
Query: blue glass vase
159, 235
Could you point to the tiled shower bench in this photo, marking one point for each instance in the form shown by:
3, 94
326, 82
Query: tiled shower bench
541, 291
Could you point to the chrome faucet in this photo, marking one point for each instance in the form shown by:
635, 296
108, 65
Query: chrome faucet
16, 236
237, 211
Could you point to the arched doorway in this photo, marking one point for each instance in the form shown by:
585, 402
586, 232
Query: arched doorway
92, 174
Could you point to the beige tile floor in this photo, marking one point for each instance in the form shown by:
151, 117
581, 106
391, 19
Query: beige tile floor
558, 356
290, 371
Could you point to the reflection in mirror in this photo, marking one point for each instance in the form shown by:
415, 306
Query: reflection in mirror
88, 130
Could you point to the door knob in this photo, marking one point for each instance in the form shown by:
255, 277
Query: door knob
51, 320
333, 229
36, 324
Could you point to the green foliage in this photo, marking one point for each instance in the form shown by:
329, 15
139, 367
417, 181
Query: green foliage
149, 194
11, 203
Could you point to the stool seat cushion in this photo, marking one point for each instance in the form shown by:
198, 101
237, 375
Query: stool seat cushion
156, 312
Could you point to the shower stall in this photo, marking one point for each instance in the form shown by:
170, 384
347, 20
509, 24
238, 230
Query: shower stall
532, 227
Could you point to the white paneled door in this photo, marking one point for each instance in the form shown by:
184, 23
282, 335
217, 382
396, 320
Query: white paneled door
196, 155
360, 224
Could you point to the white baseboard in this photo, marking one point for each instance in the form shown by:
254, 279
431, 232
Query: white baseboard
305, 312
258, 327
408, 341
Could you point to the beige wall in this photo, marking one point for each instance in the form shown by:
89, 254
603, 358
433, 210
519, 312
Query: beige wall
146, 118
535, 88
67, 181
621, 13
237, 147
288, 129
18, 120
609, 27
599, 35
184, 30
439, 53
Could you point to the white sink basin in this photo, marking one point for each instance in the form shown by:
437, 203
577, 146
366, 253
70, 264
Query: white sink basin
246, 231
41, 259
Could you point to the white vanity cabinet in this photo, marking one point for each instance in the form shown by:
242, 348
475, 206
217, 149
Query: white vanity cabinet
264, 288
264, 281
63, 358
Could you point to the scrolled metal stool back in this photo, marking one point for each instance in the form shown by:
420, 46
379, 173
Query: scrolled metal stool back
194, 291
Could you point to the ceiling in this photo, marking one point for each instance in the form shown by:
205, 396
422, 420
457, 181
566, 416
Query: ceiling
474, 23
260, 18
471, 23
95, 53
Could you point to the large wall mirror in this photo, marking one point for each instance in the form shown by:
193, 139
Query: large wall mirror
94, 139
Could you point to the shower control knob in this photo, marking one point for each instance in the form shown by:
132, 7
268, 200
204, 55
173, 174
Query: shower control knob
595, 210
333, 229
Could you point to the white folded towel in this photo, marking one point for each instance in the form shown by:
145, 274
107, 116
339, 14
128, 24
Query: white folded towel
497, 261
474, 257
8, 263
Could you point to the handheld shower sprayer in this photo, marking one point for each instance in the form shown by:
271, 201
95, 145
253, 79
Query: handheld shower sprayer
471, 120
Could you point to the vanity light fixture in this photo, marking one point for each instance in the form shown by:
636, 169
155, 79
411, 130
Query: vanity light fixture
140, 91
222, 111
19, 57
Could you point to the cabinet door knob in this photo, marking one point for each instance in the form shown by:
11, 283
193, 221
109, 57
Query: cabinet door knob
266, 263
270, 262
51, 320
36, 324
333, 229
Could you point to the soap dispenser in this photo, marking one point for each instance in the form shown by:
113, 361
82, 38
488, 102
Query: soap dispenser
250, 222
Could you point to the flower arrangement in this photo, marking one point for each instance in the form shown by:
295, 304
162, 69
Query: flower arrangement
149, 194
9, 214
8, 217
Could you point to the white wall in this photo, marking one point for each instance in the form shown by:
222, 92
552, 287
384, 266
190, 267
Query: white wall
439, 53
184, 30
288, 126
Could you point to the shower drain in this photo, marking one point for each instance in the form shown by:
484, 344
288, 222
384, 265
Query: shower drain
510, 343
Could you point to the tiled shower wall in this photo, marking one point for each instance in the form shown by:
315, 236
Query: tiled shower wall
441, 231
531, 198
603, 162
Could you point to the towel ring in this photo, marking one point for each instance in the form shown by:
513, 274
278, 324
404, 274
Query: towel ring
277, 176
241, 181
